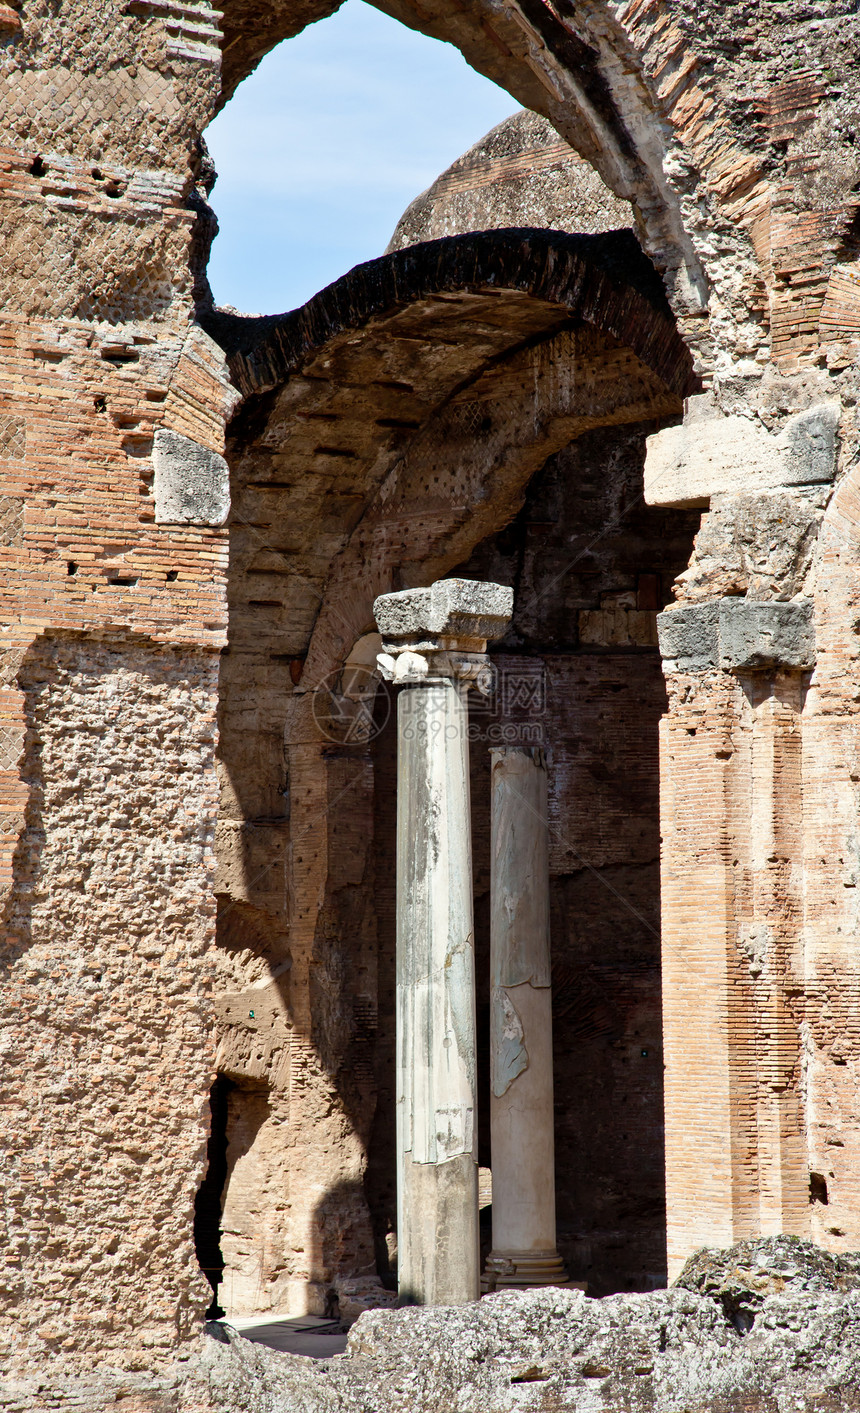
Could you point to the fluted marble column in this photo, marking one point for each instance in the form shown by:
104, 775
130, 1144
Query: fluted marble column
521, 1103
434, 644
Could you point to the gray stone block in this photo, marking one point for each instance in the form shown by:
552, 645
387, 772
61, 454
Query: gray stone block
738, 634
755, 634
810, 445
192, 484
450, 608
690, 636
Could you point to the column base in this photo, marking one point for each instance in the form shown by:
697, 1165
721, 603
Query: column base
522, 1270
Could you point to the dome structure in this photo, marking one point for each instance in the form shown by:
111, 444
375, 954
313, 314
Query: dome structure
520, 174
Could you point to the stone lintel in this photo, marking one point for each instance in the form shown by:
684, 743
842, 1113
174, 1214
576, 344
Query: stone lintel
713, 454
739, 635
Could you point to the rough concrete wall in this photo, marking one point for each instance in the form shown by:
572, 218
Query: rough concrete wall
107, 1030
111, 623
521, 174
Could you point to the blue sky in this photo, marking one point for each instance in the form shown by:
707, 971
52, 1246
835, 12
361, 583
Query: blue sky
322, 148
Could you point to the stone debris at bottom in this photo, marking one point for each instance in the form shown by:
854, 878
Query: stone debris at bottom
683, 1350
551, 1350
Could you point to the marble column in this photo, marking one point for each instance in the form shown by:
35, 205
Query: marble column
521, 1102
434, 643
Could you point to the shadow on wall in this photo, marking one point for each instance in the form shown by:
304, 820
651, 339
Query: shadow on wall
207, 1203
231, 1234
25, 755
333, 1248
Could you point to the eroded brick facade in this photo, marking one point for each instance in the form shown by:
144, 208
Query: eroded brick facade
494, 404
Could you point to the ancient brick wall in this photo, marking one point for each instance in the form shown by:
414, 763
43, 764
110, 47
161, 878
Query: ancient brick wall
112, 623
732, 132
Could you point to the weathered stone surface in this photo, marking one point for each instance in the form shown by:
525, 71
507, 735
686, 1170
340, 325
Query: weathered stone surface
690, 636
192, 484
759, 635
110, 922
770, 1324
758, 545
450, 608
738, 634
713, 454
743, 1277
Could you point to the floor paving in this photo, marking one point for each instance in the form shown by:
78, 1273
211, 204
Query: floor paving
310, 1335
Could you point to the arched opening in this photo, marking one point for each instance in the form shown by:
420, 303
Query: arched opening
321, 150
475, 404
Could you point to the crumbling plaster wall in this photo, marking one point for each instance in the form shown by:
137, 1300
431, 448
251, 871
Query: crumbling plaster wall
758, 800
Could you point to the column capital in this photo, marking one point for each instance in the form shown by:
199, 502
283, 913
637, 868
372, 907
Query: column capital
441, 631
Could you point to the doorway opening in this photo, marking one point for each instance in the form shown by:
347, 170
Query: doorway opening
207, 1205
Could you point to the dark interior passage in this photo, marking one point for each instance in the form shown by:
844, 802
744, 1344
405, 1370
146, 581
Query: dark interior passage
207, 1204
580, 674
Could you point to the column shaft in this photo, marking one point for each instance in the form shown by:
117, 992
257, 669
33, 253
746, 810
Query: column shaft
521, 1104
436, 1092
434, 642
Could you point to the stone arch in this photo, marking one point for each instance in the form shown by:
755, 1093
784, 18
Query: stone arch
388, 428
580, 324
642, 92
583, 73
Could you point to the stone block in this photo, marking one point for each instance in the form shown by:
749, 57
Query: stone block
690, 636
450, 608
809, 444
754, 634
192, 484
711, 454
738, 634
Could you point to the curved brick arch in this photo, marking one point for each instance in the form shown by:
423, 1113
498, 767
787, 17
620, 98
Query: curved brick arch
603, 281
737, 156
366, 388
